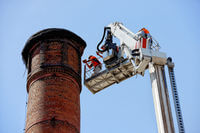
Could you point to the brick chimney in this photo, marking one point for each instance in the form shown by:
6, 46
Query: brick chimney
53, 60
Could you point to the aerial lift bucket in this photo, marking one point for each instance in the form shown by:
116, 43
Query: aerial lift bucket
108, 76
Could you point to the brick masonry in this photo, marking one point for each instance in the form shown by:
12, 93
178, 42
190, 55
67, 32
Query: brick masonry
53, 60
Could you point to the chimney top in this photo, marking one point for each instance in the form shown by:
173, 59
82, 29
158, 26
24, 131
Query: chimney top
49, 34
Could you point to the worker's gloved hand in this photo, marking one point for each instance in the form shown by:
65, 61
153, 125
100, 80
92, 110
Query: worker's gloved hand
85, 61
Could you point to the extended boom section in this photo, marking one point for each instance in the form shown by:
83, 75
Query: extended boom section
161, 99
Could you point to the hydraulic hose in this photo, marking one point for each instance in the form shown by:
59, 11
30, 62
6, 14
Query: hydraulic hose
104, 32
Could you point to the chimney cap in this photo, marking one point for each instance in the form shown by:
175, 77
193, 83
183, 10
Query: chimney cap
49, 33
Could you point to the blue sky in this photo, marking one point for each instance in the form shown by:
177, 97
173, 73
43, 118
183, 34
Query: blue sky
126, 107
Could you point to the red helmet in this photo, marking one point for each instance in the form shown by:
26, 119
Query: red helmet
89, 56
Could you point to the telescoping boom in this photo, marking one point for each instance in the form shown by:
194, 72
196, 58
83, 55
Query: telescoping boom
134, 55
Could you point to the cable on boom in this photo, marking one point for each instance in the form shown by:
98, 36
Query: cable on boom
104, 32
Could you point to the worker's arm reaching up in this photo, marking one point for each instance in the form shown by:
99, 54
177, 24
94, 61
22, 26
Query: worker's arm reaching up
98, 53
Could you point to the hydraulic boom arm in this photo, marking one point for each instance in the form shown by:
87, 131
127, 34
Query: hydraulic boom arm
134, 55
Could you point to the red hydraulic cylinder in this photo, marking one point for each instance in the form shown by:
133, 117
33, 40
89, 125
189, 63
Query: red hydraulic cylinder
53, 60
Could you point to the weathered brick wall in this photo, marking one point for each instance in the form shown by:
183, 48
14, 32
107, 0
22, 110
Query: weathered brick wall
54, 84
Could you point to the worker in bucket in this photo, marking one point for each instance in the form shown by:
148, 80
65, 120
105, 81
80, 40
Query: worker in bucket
94, 62
145, 34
